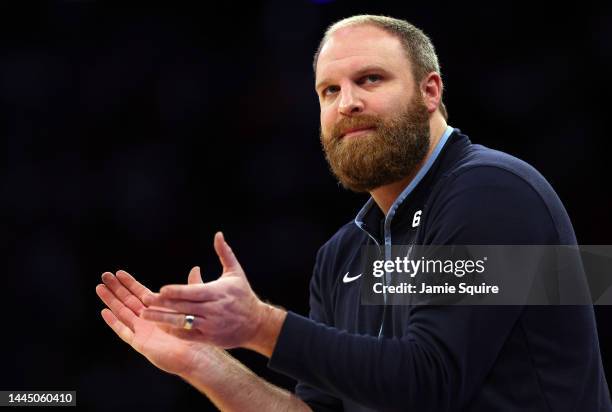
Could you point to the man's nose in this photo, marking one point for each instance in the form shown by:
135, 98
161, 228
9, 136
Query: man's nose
350, 103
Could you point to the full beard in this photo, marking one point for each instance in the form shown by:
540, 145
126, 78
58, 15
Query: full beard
388, 153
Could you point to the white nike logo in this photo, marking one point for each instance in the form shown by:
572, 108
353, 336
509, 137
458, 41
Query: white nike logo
347, 278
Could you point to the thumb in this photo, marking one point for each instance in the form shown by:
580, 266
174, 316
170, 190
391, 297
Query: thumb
225, 253
195, 276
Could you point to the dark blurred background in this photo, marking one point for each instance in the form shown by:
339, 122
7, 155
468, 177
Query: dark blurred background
130, 134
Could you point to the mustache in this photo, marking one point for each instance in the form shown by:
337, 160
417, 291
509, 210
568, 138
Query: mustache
349, 123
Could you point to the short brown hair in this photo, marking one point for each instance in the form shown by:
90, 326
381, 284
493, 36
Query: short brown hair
418, 47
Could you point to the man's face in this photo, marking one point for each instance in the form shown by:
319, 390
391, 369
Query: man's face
374, 124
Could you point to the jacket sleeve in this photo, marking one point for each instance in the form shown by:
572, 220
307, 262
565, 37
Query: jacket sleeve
446, 351
318, 400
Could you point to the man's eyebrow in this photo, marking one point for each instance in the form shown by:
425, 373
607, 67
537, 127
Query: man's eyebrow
365, 69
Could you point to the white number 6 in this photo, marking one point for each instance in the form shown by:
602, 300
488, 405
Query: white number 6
417, 218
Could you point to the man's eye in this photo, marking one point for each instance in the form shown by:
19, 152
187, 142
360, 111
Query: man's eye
372, 78
329, 90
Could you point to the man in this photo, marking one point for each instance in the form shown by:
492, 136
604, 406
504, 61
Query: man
384, 131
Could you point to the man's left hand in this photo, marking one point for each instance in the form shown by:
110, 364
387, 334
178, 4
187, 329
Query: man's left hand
227, 313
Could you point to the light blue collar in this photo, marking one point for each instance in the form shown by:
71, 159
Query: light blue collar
413, 183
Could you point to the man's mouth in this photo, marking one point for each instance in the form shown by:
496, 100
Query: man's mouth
356, 131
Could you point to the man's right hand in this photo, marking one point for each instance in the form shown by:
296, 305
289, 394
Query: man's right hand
225, 381
170, 349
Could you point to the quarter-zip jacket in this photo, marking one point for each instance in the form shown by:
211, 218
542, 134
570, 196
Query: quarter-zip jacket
354, 357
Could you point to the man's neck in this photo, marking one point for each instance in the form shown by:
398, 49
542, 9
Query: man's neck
384, 196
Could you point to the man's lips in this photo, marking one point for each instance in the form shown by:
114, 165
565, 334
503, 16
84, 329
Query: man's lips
356, 131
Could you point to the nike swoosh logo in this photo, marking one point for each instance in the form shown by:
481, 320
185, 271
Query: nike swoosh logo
347, 278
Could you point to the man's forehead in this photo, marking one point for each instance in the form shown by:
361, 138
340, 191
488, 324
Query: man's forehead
364, 43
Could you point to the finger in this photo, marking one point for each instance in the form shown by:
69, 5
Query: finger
195, 276
122, 293
120, 329
185, 334
151, 300
176, 320
137, 288
122, 312
202, 329
225, 253
177, 305
202, 292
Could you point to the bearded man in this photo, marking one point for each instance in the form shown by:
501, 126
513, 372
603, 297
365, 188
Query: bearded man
383, 131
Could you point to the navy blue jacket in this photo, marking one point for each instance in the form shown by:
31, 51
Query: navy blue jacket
354, 357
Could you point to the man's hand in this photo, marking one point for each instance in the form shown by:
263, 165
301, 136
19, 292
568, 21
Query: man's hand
172, 350
227, 313
226, 382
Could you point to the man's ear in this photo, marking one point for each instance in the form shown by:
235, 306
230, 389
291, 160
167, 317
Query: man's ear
431, 91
